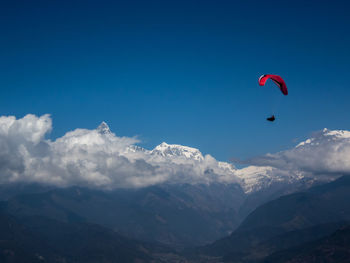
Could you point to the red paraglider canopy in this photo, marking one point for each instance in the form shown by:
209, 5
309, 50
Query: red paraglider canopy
278, 81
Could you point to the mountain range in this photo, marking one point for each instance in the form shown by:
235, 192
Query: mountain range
79, 225
171, 203
286, 223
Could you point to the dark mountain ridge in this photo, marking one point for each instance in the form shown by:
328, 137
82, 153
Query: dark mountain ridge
177, 215
332, 248
294, 214
39, 239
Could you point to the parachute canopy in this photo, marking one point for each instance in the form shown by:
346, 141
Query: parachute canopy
275, 78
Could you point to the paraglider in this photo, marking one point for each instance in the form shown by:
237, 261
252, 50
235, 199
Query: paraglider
280, 84
278, 81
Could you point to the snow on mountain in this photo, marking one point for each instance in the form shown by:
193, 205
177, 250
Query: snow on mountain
103, 128
175, 150
327, 135
179, 159
136, 149
256, 178
251, 178
336, 133
187, 164
326, 153
227, 166
323, 157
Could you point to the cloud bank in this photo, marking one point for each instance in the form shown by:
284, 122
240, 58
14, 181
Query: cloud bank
327, 152
99, 158
96, 158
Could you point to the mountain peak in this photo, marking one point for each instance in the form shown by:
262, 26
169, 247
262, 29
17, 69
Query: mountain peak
103, 128
325, 134
171, 150
162, 145
336, 133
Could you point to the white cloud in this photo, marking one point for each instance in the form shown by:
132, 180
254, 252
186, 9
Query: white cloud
327, 152
96, 158
99, 158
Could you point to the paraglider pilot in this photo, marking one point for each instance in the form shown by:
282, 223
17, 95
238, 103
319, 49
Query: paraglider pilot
272, 118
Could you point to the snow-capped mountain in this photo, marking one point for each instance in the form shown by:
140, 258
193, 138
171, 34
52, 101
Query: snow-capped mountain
251, 178
257, 178
327, 135
179, 159
323, 157
175, 150
136, 149
336, 133
103, 128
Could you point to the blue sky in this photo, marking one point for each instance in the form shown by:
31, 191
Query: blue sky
183, 72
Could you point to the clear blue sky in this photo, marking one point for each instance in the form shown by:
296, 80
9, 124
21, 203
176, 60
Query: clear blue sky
183, 72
